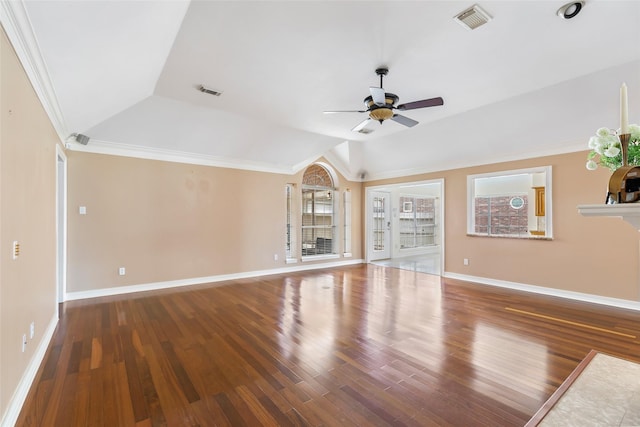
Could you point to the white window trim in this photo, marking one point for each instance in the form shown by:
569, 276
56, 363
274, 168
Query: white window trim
307, 258
336, 217
290, 257
346, 223
548, 197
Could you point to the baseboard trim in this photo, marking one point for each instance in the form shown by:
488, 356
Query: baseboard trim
119, 290
577, 296
17, 400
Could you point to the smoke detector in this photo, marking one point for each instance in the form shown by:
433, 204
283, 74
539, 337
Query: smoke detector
472, 18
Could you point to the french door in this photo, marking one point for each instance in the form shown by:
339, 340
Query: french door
379, 225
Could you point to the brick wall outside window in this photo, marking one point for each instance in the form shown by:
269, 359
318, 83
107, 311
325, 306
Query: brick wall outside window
495, 216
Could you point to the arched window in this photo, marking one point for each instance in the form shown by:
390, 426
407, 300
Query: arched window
318, 211
317, 175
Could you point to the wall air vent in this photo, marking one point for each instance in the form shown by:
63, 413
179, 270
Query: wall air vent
205, 89
473, 17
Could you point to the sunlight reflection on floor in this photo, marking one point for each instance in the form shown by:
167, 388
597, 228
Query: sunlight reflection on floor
427, 263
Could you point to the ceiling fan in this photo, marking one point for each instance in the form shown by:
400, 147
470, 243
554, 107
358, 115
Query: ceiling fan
380, 106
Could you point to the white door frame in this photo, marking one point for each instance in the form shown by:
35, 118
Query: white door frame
61, 226
388, 188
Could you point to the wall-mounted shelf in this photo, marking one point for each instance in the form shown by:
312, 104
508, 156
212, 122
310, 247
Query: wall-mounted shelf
629, 212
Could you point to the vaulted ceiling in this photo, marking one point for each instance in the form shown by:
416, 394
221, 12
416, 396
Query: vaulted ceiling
527, 83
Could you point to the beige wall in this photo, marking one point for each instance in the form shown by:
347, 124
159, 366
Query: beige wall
596, 256
166, 221
27, 214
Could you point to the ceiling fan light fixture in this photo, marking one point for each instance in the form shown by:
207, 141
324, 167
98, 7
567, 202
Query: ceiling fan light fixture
380, 106
473, 17
381, 114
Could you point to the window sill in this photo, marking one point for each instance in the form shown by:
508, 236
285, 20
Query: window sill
308, 258
291, 261
498, 236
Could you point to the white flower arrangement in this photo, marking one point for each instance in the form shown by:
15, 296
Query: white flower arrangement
606, 149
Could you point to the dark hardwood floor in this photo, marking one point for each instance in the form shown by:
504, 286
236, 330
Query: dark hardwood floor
361, 345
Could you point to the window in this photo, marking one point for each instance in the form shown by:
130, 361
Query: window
417, 221
504, 215
318, 212
510, 204
290, 229
347, 223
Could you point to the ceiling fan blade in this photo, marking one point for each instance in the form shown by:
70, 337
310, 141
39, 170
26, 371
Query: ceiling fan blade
432, 102
344, 111
404, 120
361, 125
377, 94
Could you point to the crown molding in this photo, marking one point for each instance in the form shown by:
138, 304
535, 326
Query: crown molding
136, 151
339, 165
403, 173
149, 153
17, 25
306, 162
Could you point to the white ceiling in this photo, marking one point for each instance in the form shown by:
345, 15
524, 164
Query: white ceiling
527, 83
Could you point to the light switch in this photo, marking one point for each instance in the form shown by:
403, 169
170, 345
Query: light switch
83, 210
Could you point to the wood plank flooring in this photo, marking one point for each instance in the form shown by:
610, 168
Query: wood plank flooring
361, 345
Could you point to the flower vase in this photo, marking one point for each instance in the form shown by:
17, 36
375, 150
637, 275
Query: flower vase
624, 148
624, 184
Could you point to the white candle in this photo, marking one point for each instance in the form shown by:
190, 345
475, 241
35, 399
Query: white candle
624, 114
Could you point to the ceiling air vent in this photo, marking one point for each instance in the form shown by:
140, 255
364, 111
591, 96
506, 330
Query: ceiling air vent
473, 17
364, 131
205, 89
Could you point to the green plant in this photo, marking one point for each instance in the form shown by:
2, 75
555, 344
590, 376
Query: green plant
606, 151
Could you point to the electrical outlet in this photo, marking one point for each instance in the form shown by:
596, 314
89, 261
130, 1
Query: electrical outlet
121, 271
16, 249
465, 261
24, 342
275, 257
32, 330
